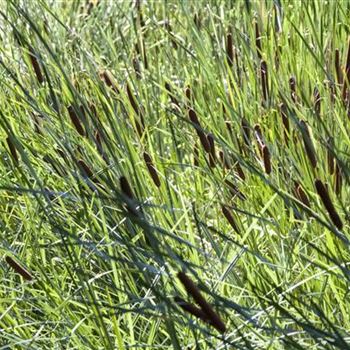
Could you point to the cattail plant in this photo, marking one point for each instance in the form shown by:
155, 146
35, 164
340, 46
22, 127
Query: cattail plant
107, 77
86, 170
229, 49
151, 169
317, 101
301, 195
195, 155
140, 125
245, 131
293, 89
188, 94
285, 122
226, 212
192, 309
212, 155
19, 269
37, 123
76, 121
203, 138
258, 40
173, 99
12, 149
264, 81
308, 144
338, 179
128, 193
347, 75
327, 202
36, 65
234, 190
338, 69
267, 159
193, 291
224, 160
259, 137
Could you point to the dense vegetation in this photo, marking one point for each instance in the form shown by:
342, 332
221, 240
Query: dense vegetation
174, 174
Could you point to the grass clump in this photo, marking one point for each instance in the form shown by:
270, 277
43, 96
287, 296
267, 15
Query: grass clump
174, 175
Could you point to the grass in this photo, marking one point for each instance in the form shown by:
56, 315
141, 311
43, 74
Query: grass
174, 175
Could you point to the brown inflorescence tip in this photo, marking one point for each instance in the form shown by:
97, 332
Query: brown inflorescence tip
107, 77
229, 49
151, 169
327, 202
212, 155
330, 157
317, 101
195, 155
18, 268
285, 121
36, 66
203, 138
293, 90
308, 144
301, 195
338, 69
12, 149
245, 131
75, 120
347, 75
226, 212
267, 159
85, 169
234, 190
192, 309
125, 187
192, 290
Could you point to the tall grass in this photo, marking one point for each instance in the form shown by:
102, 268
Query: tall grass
174, 175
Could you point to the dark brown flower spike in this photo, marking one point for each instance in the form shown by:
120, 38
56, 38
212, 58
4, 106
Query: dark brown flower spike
317, 101
267, 159
226, 212
128, 193
192, 309
212, 155
229, 49
293, 89
12, 149
301, 195
192, 290
203, 138
125, 187
338, 179
308, 144
85, 169
173, 99
245, 131
19, 269
132, 100
347, 75
259, 137
285, 122
76, 121
36, 66
107, 77
327, 202
234, 190
195, 155
338, 69
151, 169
